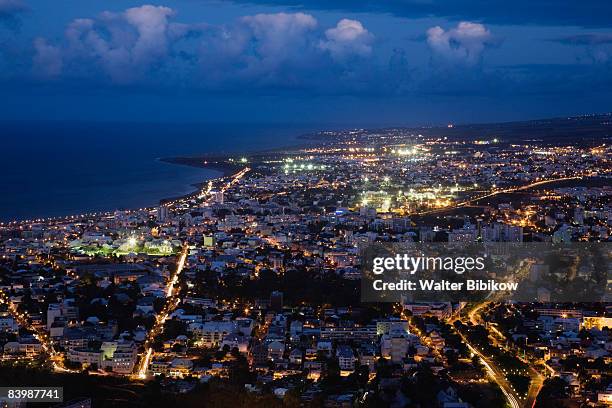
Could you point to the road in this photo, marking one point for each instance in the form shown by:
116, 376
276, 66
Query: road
56, 359
537, 379
171, 300
158, 326
496, 375
494, 372
497, 192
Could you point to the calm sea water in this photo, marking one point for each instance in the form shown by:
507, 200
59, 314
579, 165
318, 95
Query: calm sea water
60, 168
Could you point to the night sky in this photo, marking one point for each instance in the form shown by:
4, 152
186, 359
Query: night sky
360, 62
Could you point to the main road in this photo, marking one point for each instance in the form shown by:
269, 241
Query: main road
160, 319
171, 300
537, 379
56, 359
497, 192
494, 372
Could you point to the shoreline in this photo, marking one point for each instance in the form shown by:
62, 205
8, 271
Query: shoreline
213, 161
88, 212
225, 169
219, 162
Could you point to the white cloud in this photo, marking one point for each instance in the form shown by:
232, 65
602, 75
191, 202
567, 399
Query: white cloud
48, 59
152, 25
465, 43
123, 44
278, 31
141, 43
278, 38
347, 39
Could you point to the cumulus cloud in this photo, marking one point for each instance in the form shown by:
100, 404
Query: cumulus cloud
123, 44
47, 60
152, 25
348, 38
597, 46
279, 33
464, 43
263, 49
280, 49
275, 39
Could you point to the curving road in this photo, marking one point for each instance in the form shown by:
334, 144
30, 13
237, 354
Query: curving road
497, 192
537, 379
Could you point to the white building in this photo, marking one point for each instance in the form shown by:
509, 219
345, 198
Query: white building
276, 350
211, 334
395, 345
346, 358
119, 356
66, 310
235, 341
162, 213
85, 356
7, 323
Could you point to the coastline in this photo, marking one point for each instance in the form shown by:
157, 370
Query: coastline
215, 163
175, 185
219, 162
225, 169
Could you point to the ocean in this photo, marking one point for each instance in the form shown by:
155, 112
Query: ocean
52, 169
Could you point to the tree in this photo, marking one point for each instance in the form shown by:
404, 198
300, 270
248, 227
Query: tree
452, 357
553, 390
362, 375
292, 399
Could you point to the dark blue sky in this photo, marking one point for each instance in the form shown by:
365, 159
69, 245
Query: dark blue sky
360, 62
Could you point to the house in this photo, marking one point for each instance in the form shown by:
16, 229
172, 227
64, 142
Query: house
324, 347
119, 356
211, 334
296, 356
145, 305
235, 341
276, 349
346, 358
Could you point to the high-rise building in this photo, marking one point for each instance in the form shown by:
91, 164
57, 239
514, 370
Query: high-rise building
162, 213
499, 232
395, 345
462, 235
579, 215
217, 196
